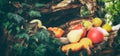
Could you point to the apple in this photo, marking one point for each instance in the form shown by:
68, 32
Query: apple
96, 35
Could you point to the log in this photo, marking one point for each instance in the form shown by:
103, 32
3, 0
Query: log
56, 17
49, 9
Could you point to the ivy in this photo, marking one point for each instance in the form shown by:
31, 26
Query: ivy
39, 5
110, 7
84, 12
35, 13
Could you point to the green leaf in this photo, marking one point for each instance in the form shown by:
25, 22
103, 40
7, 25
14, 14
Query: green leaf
9, 31
84, 12
10, 25
20, 11
19, 48
6, 24
108, 4
35, 13
39, 5
16, 45
16, 17
106, 0
42, 35
56, 42
117, 6
27, 36
22, 35
41, 50
18, 29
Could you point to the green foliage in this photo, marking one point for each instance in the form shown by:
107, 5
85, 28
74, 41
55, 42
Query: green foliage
15, 17
84, 12
18, 49
2, 2
15, 20
39, 5
40, 50
22, 36
110, 9
34, 13
117, 6
39, 44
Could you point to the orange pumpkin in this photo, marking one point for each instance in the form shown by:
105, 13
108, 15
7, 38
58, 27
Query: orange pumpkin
57, 31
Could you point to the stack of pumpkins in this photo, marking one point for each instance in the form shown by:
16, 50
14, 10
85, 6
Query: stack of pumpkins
82, 34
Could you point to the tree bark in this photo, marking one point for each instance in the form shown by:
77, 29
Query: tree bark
48, 8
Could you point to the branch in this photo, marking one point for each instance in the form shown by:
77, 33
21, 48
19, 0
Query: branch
50, 10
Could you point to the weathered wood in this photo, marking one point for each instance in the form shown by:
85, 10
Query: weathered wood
66, 4
48, 9
56, 17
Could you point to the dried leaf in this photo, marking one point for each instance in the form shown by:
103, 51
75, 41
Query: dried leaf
62, 4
